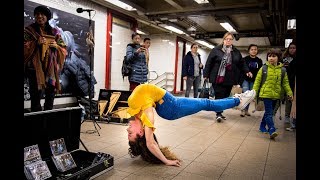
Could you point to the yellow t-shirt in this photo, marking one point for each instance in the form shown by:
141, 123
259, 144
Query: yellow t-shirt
143, 97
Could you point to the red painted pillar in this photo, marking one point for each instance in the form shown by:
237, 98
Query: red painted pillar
176, 66
108, 50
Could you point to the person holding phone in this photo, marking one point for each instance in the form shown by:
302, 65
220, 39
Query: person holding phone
135, 55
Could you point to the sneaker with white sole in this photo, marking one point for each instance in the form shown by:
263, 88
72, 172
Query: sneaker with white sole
245, 98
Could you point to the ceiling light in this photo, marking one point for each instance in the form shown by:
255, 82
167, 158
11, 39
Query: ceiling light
204, 43
291, 24
141, 32
121, 5
228, 27
287, 42
191, 29
171, 28
201, 1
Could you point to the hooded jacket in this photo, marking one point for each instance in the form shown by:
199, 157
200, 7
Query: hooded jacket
272, 87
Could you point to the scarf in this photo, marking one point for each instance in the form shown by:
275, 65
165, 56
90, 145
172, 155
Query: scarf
48, 68
225, 64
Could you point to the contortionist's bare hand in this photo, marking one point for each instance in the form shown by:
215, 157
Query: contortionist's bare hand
173, 163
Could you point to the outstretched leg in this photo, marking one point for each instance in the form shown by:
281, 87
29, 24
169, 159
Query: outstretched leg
171, 107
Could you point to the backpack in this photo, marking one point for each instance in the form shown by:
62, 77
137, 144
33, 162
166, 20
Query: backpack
264, 74
126, 68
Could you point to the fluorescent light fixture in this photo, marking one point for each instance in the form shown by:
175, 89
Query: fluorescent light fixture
201, 1
121, 5
191, 29
141, 32
287, 42
228, 27
204, 43
291, 24
171, 28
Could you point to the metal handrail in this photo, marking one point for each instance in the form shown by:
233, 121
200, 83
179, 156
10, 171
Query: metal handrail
162, 78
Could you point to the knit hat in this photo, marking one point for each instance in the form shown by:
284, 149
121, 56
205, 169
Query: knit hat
44, 10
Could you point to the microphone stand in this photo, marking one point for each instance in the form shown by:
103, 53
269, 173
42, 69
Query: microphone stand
90, 50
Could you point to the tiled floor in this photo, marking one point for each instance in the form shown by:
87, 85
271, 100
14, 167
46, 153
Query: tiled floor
233, 149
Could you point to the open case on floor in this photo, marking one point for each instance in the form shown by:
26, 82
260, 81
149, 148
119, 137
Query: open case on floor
45, 126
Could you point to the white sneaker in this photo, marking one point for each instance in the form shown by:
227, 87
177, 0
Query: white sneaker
245, 98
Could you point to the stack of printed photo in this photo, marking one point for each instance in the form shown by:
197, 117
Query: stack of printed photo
34, 167
61, 157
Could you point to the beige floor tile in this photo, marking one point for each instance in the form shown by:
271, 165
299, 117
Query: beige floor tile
277, 172
250, 157
194, 147
129, 165
206, 170
216, 151
217, 160
143, 177
113, 175
190, 176
160, 170
245, 167
186, 154
284, 163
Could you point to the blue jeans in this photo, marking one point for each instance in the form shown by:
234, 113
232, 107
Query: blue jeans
267, 119
176, 107
195, 82
246, 85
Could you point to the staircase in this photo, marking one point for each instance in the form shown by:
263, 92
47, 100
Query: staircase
165, 80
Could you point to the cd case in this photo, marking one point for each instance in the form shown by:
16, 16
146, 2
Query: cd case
31, 154
58, 147
37, 171
64, 162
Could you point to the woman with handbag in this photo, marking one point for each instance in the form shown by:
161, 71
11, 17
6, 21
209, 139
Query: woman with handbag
147, 97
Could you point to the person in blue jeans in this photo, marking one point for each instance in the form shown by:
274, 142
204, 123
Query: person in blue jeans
146, 98
254, 63
270, 90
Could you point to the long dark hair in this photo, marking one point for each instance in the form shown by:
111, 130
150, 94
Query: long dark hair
139, 147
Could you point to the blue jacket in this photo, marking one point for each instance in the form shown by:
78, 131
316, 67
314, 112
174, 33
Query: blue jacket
138, 62
188, 65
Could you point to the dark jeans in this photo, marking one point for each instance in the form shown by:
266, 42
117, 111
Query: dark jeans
133, 85
195, 82
176, 107
35, 94
221, 91
267, 119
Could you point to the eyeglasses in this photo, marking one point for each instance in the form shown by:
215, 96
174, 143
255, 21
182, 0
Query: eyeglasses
228, 39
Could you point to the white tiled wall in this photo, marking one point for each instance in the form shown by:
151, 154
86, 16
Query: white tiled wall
162, 53
121, 36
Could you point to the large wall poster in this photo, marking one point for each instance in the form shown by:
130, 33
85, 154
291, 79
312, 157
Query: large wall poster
74, 31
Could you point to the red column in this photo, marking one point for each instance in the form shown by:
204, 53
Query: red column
108, 50
176, 66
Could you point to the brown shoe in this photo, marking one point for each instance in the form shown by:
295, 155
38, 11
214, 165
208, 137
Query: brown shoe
247, 113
